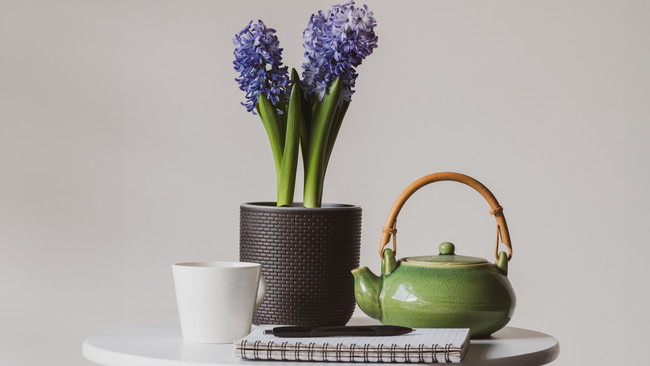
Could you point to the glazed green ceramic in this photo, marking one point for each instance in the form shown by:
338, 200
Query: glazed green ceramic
443, 291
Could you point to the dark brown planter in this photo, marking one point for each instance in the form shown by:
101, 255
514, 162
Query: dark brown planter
306, 255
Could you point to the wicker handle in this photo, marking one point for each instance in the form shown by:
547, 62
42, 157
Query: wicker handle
496, 209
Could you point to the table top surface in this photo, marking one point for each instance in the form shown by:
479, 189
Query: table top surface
162, 344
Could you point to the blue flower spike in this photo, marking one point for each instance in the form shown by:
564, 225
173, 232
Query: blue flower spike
258, 59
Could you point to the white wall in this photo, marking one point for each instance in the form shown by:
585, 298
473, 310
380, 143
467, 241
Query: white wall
123, 149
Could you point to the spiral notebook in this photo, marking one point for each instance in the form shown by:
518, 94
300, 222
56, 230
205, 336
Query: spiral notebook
421, 345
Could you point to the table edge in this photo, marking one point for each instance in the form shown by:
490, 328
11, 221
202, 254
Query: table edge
111, 358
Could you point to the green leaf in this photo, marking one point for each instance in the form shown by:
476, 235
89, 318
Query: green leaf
334, 132
323, 115
273, 125
305, 128
287, 177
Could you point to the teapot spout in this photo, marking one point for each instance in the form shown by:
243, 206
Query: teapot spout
367, 287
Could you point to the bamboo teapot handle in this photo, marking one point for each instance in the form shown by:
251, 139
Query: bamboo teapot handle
496, 209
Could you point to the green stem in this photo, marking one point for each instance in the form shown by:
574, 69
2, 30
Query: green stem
287, 175
322, 119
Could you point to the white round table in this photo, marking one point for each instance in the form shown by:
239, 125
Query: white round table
162, 344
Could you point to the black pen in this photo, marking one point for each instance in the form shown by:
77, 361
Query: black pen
329, 331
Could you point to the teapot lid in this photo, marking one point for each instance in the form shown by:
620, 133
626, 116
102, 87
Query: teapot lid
446, 257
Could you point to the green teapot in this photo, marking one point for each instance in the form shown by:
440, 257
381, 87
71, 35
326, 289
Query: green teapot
440, 291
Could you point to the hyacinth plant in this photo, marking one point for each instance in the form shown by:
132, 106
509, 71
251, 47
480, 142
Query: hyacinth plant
307, 112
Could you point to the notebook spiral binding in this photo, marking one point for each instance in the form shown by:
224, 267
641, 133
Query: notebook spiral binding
339, 351
447, 346
297, 351
269, 349
434, 353
310, 351
283, 353
421, 353
256, 348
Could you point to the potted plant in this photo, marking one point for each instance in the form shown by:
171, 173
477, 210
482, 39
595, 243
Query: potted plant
307, 249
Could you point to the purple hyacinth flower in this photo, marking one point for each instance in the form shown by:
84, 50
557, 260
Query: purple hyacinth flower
258, 59
336, 42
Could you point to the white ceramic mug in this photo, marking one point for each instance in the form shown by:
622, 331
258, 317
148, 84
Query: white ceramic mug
216, 300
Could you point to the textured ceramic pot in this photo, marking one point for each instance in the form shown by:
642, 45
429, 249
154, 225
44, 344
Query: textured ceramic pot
444, 290
307, 255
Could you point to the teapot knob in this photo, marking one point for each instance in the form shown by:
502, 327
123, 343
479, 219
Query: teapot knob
447, 248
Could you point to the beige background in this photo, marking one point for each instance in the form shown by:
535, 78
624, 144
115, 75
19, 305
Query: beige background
123, 149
